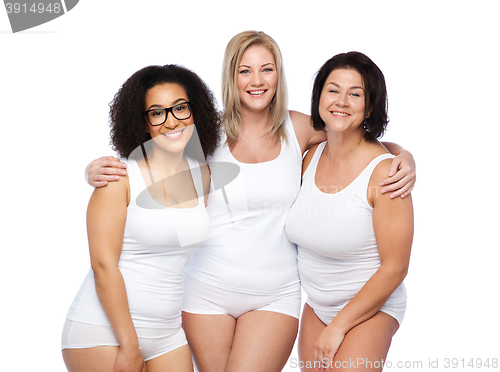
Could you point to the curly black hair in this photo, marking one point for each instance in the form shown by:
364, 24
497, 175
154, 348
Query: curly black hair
375, 91
127, 122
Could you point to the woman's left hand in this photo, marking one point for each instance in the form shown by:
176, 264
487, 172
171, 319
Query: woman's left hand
402, 176
326, 347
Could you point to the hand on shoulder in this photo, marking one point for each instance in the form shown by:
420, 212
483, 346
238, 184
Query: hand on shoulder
376, 191
103, 170
115, 192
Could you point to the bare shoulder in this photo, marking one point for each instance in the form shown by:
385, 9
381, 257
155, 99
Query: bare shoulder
302, 126
305, 132
299, 118
308, 158
380, 171
375, 195
117, 192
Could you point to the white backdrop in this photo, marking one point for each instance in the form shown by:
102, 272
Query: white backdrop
440, 59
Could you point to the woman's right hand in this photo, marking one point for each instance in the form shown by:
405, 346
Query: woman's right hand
129, 359
103, 170
326, 346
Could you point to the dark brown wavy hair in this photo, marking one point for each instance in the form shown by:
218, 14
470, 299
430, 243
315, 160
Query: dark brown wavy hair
128, 124
375, 91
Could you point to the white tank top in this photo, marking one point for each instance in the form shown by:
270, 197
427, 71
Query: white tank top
337, 250
248, 251
157, 245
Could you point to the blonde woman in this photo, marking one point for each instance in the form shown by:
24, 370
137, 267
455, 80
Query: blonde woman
242, 291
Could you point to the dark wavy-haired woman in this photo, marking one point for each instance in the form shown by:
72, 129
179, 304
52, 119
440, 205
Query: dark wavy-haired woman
143, 229
353, 241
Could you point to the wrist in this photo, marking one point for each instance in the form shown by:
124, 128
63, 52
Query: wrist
337, 326
130, 344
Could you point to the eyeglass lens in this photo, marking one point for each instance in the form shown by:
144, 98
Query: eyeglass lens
159, 116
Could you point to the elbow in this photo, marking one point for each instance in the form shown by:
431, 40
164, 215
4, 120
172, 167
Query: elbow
399, 273
101, 269
403, 272
396, 274
96, 265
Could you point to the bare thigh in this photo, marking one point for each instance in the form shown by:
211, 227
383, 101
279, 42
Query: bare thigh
210, 338
263, 341
94, 359
364, 347
177, 360
310, 328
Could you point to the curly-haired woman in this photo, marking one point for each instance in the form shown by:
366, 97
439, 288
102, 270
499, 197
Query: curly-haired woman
127, 314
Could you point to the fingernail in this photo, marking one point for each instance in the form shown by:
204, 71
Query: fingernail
123, 172
392, 196
383, 191
382, 183
116, 177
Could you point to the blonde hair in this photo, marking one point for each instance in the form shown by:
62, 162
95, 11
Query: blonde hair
230, 96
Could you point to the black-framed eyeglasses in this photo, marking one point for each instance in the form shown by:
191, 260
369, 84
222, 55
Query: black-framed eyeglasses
158, 116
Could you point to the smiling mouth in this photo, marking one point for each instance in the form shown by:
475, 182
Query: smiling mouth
339, 113
256, 92
174, 134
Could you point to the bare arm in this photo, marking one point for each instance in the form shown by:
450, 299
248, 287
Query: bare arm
393, 226
304, 131
402, 174
106, 216
103, 170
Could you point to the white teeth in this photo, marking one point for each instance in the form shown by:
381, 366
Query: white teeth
176, 134
340, 113
257, 92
